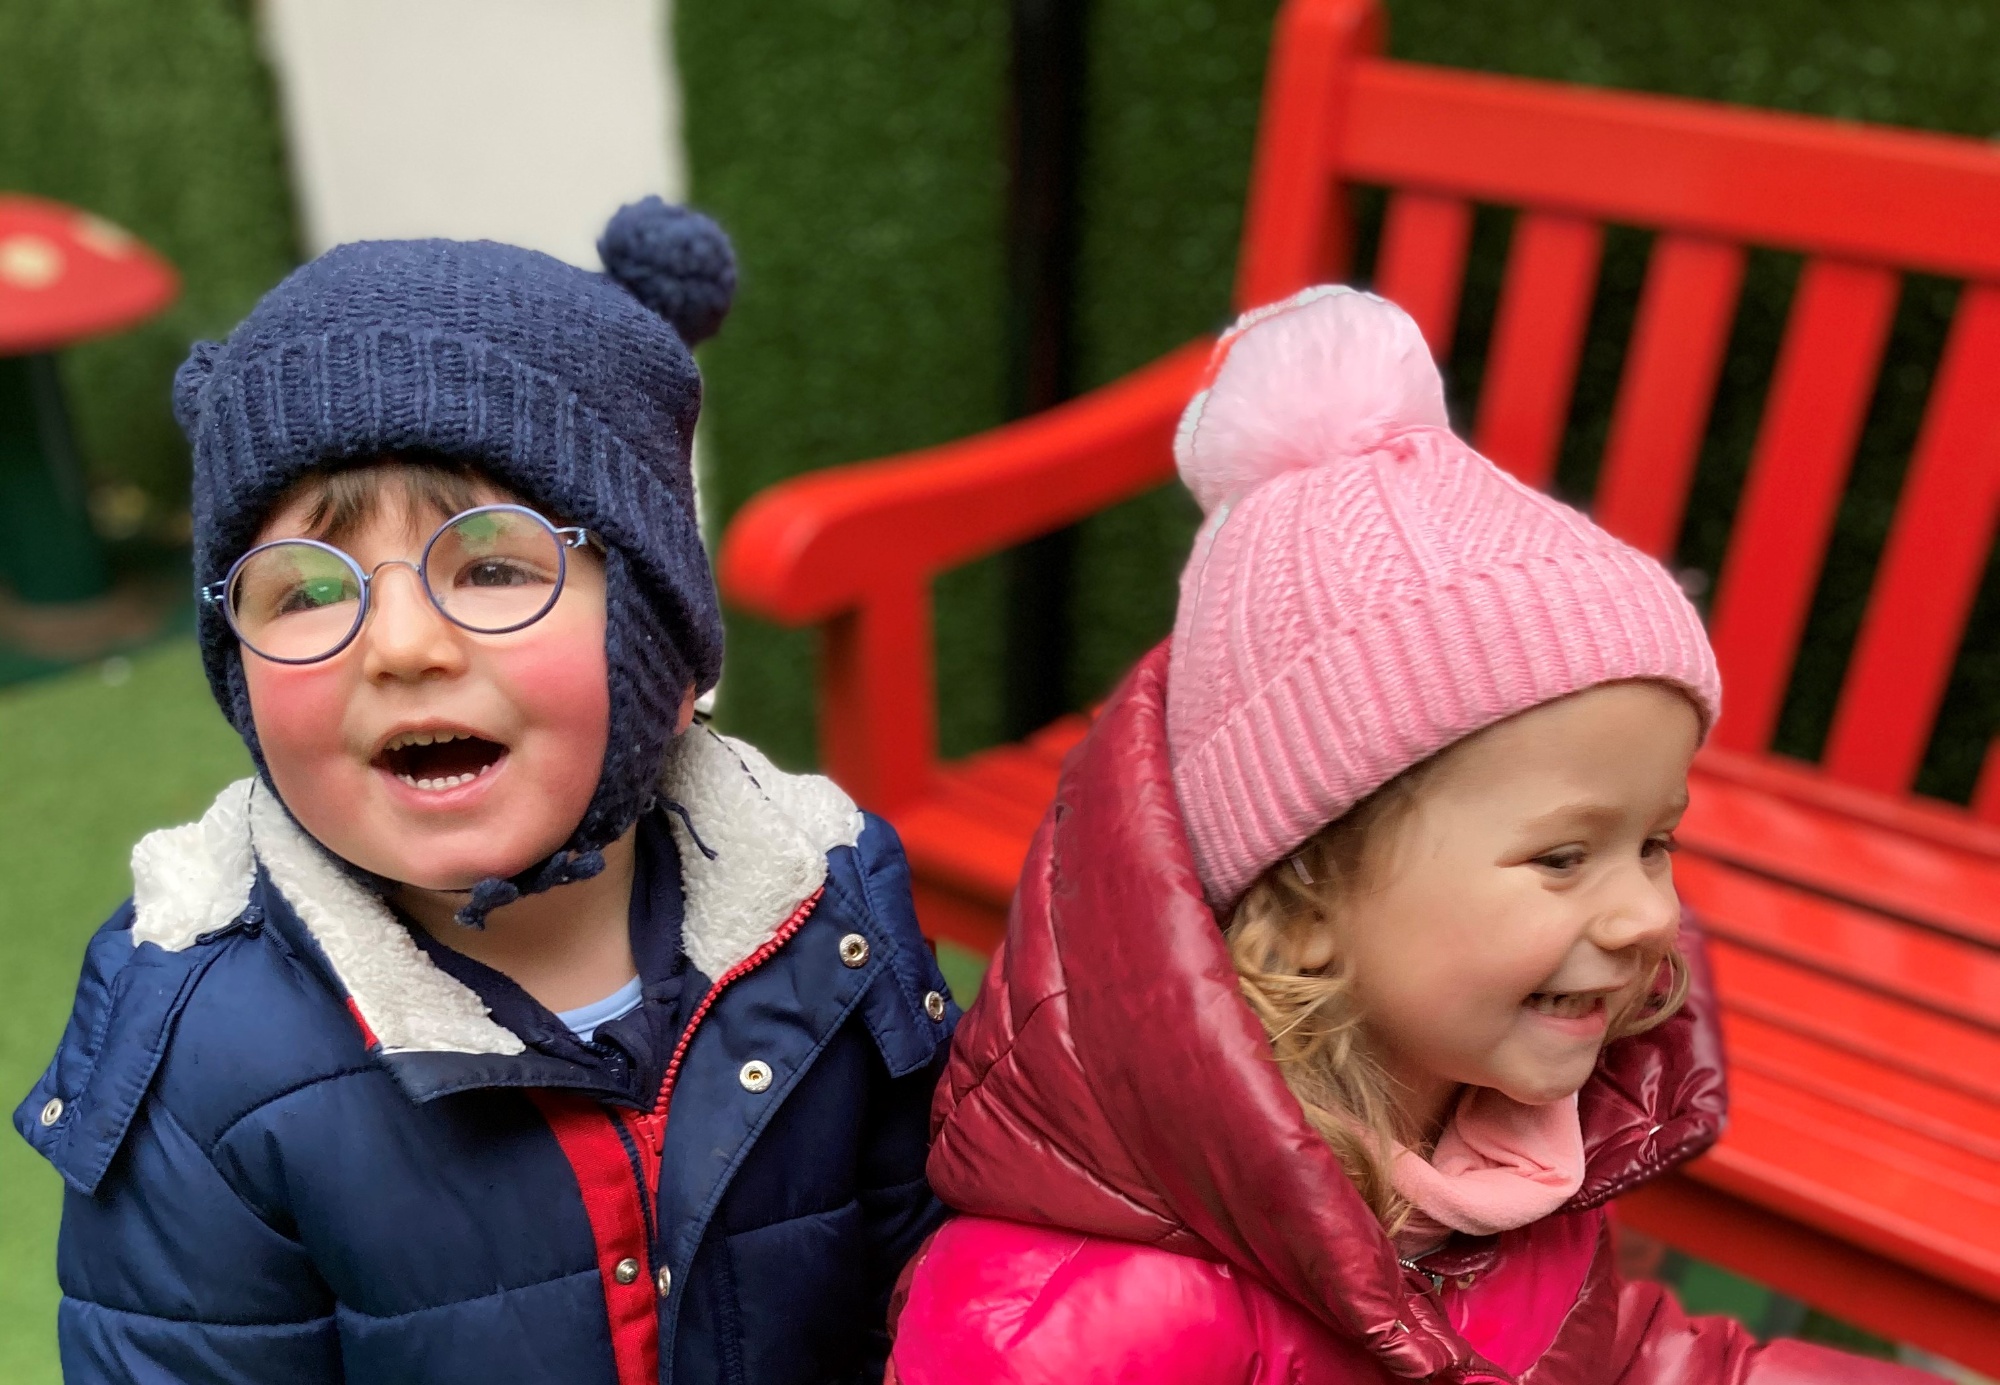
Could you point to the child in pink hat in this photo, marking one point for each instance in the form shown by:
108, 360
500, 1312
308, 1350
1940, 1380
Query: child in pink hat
1345, 983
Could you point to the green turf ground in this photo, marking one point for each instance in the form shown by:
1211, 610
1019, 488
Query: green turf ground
88, 762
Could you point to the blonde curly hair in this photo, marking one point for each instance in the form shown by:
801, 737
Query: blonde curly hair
1313, 1017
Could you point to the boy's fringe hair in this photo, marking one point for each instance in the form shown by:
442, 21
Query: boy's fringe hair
347, 494
1313, 1018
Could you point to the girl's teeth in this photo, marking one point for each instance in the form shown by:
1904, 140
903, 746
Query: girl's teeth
1561, 1005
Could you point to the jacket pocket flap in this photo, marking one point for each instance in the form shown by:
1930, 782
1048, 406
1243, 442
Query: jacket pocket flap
77, 1115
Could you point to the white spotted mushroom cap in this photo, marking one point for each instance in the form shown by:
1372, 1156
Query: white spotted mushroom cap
66, 275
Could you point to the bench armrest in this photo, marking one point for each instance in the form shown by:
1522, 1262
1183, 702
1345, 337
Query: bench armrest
813, 547
853, 549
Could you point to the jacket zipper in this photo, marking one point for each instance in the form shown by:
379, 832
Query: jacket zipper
1436, 1279
649, 1128
249, 923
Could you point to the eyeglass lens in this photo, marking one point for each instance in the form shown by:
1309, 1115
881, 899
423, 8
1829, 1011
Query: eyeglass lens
295, 601
494, 570
490, 571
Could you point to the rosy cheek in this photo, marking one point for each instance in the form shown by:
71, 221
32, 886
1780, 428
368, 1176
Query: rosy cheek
559, 687
299, 711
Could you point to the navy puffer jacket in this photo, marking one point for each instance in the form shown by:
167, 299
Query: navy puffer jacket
297, 1150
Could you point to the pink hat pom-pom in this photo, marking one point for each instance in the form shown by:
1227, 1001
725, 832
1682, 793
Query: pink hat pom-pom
1306, 382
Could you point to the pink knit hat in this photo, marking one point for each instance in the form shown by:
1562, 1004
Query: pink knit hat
1367, 589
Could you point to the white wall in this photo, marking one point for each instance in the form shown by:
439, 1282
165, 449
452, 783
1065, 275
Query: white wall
528, 121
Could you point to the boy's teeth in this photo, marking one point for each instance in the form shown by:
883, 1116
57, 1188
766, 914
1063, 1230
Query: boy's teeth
449, 781
409, 738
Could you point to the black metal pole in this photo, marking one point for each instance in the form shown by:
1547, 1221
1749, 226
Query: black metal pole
1046, 122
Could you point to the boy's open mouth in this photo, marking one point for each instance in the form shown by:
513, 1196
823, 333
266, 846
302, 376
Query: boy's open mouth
439, 759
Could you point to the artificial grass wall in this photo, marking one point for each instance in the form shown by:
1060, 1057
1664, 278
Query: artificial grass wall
1171, 114
852, 149
160, 118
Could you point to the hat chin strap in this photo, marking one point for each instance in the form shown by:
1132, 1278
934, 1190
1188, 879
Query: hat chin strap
564, 867
573, 861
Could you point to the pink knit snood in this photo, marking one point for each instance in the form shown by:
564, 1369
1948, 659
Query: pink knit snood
1367, 589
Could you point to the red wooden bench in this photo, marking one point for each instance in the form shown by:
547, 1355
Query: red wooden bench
1855, 927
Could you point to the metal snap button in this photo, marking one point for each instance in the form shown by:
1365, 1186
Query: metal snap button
934, 1005
626, 1270
854, 951
664, 1281
52, 1112
756, 1076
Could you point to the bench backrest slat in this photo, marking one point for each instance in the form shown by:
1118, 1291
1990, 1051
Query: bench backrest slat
1806, 183
1421, 263
1932, 565
1865, 205
1537, 337
1678, 341
1819, 399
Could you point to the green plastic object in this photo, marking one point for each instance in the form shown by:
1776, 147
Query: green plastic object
49, 554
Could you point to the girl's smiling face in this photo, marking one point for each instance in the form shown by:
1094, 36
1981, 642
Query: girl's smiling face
1522, 899
371, 748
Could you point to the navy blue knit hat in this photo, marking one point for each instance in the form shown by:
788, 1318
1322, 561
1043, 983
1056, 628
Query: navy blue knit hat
575, 390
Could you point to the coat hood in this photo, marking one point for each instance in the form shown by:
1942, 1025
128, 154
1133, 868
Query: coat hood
1111, 1080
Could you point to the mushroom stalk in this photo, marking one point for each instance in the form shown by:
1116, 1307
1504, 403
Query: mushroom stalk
48, 551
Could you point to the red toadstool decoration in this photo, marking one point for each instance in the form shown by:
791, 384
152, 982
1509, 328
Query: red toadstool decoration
65, 275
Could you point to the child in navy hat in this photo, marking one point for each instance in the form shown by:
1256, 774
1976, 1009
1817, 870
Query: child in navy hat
504, 1026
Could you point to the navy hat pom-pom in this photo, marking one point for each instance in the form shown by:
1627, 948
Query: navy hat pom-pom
675, 261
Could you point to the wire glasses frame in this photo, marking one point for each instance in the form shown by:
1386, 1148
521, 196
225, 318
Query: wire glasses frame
503, 568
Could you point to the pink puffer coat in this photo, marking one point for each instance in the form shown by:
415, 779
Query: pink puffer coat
1148, 1204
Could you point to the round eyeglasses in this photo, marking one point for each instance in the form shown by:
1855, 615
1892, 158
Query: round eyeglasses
490, 570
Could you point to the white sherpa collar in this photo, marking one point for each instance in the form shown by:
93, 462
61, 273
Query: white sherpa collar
769, 833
